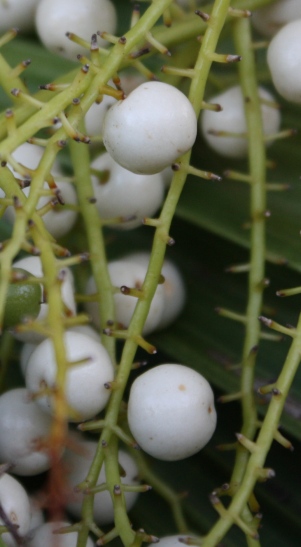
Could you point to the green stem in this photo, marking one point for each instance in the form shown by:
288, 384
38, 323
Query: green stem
257, 162
122, 523
8, 83
166, 492
81, 164
6, 349
196, 95
263, 443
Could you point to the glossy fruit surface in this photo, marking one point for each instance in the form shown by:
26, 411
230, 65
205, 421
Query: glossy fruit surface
284, 60
171, 412
232, 118
85, 390
161, 124
22, 426
269, 19
46, 536
17, 13
126, 195
15, 505
131, 275
54, 18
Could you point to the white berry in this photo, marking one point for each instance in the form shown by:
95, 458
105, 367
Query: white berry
22, 424
232, 118
15, 505
284, 60
150, 129
45, 536
25, 353
95, 116
78, 465
172, 541
171, 412
58, 221
269, 19
17, 14
129, 274
173, 287
126, 194
54, 18
85, 385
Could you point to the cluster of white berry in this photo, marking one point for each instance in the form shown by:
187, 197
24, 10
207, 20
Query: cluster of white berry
171, 411
138, 151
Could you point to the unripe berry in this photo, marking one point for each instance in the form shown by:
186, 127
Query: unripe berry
22, 300
33, 265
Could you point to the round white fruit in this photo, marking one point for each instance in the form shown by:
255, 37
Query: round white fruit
22, 424
29, 157
95, 116
33, 265
270, 19
129, 274
172, 541
54, 18
47, 536
17, 14
58, 221
284, 60
150, 129
15, 505
25, 353
78, 465
85, 384
232, 118
173, 287
171, 412
126, 194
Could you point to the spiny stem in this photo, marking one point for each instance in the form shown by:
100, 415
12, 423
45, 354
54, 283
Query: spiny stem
263, 443
165, 491
196, 96
257, 162
81, 164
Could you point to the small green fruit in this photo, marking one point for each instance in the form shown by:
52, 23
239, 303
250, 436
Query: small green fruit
22, 299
